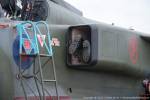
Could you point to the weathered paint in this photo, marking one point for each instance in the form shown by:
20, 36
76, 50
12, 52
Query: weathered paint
114, 75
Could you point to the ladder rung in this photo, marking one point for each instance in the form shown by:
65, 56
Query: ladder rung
34, 55
45, 55
49, 80
30, 55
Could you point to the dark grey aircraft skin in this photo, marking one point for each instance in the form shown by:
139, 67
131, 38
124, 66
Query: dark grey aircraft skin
120, 59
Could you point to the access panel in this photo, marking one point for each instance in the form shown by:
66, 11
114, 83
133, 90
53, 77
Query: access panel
82, 46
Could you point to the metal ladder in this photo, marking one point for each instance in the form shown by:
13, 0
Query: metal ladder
37, 55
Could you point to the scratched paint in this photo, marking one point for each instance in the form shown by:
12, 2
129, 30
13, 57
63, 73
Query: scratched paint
55, 42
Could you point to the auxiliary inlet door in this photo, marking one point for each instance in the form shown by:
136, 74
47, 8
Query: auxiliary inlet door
82, 45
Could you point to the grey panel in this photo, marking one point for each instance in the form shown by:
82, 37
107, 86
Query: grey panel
67, 6
109, 45
122, 41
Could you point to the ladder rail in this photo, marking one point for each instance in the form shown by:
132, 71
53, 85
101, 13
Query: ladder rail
35, 28
21, 80
44, 88
35, 80
49, 49
22, 30
43, 66
41, 76
31, 89
53, 62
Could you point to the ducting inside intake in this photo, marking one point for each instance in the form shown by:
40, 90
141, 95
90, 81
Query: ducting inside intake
82, 46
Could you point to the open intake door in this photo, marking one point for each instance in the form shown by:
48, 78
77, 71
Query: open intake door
82, 46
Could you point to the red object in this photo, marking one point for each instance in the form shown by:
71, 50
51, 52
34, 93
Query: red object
27, 44
2, 26
24, 58
133, 49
